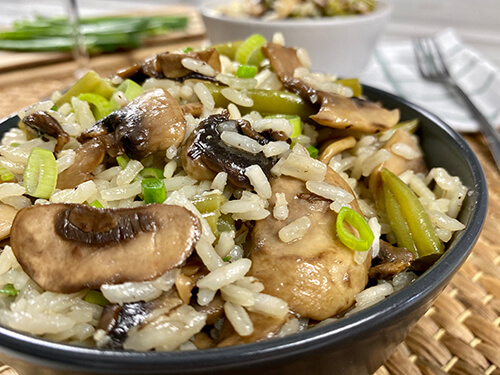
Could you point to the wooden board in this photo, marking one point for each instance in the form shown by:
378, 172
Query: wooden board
21, 60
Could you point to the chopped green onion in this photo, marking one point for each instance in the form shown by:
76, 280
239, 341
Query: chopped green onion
152, 173
228, 49
9, 290
293, 120
130, 88
15, 144
122, 161
5, 174
225, 223
226, 259
187, 49
96, 297
53, 108
246, 71
89, 83
313, 151
153, 190
249, 52
358, 222
96, 204
212, 219
209, 202
99, 105
40, 174
353, 84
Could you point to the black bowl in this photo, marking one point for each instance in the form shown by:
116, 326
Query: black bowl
357, 345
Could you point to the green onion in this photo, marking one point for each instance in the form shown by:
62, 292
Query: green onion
313, 151
226, 259
228, 49
15, 144
152, 173
212, 218
96, 204
89, 83
53, 108
187, 49
249, 52
40, 174
122, 161
96, 297
293, 120
5, 174
225, 223
353, 84
130, 88
99, 105
209, 202
153, 190
358, 222
9, 290
246, 71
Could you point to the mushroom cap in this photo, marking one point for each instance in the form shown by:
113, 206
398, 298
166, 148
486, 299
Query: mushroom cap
70, 247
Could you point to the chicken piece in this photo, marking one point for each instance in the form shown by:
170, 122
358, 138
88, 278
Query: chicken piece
396, 163
316, 275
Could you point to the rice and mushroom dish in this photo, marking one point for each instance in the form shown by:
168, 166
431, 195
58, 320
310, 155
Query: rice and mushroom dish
212, 197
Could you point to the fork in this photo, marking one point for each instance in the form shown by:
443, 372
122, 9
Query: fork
433, 68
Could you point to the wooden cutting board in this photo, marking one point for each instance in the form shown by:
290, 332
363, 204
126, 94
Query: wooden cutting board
195, 29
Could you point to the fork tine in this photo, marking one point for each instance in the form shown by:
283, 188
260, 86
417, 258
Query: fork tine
439, 60
420, 56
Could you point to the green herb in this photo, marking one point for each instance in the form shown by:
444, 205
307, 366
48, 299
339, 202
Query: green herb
40, 174
53, 108
313, 151
153, 190
187, 49
226, 259
9, 290
358, 222
99, 105
246, 71
249, 52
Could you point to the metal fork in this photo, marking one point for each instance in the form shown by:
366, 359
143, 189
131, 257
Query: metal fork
433, 68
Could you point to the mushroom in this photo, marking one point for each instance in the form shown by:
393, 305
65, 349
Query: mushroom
206, 153
7, 215
337, 111
152, 122
87, 157
169, 65
316, 275
69, 247
391, 260
42, 123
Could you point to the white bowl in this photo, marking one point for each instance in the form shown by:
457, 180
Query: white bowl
339, 45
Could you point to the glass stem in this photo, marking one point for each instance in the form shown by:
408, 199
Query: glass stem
80, 53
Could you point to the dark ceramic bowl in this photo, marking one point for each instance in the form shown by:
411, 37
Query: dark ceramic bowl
357, 345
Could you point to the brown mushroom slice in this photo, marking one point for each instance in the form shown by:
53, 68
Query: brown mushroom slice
7, 215
42, 123
337, 111
316, 275
70, 247
397, 164
87, 157
152, 122
264, 327
391, 260
335, 147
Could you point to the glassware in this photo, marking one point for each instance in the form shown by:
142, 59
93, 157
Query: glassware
80, 53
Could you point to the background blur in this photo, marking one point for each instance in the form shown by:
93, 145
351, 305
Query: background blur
477, 21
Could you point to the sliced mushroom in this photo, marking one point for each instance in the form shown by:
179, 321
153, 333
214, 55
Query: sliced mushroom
7, 215
152, 122
87, 157
396, 163
264, 327
169, 65
316, 275
335, 147
206, 154
391, 260
42, 123
337, 111
70, 247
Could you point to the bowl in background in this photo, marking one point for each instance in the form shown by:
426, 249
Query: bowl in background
356, 345
340, 45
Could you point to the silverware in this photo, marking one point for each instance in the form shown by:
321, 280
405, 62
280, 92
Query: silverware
433, 68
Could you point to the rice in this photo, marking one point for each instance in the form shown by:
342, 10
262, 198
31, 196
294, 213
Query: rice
241, 142
280, 210
225, 275
204, 95
127, 175
237, 295
11, 189
303, 167
65, 160
79, 194
209, 256
198, 66
122, 192
275, 125
328, 191
239, 319
237, 97
269, 305
405, 151
259, 181
219, 182
295, 230
237, 83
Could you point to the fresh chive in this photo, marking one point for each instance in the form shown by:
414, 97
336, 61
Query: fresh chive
226, 259
313, 151
358, 222
9, 290
153, 190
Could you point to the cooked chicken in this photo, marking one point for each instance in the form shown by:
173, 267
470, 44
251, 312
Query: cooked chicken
315, 275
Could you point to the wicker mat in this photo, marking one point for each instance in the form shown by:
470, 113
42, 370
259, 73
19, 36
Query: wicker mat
460, 334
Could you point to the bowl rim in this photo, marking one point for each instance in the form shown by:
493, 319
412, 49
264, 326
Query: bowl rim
59, 355
208, 10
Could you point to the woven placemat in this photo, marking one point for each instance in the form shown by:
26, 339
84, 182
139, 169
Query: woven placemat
460, 334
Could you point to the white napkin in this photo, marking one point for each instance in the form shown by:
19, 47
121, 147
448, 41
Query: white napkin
394, 68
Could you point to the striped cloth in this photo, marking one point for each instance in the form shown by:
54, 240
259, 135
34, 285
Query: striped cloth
394, 68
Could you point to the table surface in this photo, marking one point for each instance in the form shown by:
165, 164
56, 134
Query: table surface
459, 335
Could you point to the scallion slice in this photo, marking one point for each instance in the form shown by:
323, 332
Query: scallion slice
246, 71
294, 121
122, 161
96, 297
152, 173
99, 105
366, 237
96, 204
249, 52
9, 290
313, 151
153, 190
40, 174
5, 174
131, 89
